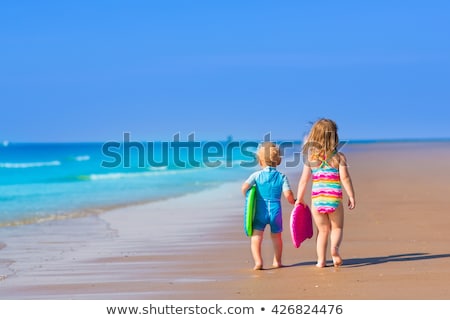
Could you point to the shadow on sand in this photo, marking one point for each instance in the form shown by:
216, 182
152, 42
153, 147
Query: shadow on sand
361, 262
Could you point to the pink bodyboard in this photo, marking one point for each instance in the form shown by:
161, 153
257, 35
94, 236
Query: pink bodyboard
301, 224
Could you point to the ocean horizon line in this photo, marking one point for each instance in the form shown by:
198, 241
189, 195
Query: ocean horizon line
7, 143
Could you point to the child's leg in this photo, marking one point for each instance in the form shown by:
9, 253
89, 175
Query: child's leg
278, 249
256, 241
322, 222
337, 229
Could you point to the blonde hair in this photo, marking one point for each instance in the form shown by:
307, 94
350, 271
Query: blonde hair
322, 140
269, 154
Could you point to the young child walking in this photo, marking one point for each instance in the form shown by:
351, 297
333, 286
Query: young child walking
270, 185
328, 170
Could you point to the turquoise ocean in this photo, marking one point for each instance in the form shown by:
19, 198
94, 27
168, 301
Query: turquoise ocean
45, 181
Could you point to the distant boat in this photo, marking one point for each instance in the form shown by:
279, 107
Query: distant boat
5, 143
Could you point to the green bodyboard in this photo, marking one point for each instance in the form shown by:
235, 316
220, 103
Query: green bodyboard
249, 211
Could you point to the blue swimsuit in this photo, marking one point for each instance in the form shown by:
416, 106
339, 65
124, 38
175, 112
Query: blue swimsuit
270, 184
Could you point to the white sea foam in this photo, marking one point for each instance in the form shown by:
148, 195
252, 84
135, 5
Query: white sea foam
163, 168
114, 176
24, 165
83, 158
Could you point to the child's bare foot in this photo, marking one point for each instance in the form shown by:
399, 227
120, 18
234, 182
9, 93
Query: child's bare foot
337, 260
321, 264
257, 267
278, 265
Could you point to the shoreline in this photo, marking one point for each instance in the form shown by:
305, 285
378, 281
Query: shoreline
125, 240
394, 247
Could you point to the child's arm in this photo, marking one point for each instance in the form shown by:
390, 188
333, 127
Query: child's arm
249, 183
287, 191
306, 175
245, 187
289, 195
346, 181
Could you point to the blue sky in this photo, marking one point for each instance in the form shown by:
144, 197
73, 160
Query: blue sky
91, 70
